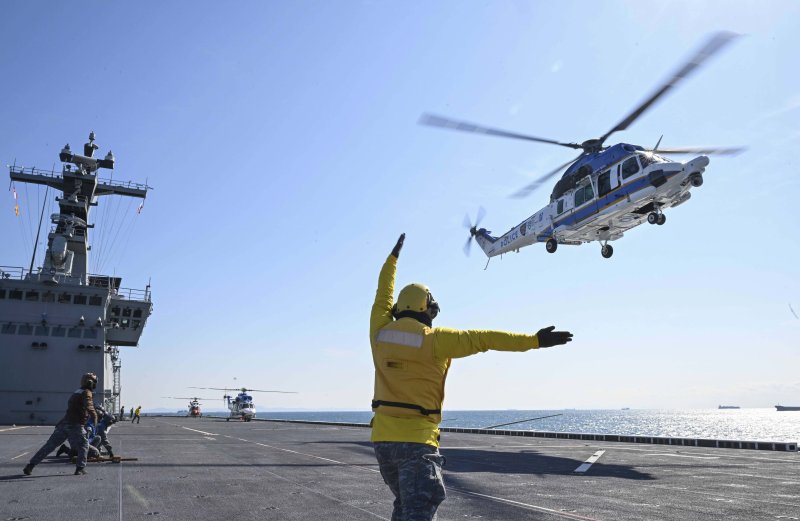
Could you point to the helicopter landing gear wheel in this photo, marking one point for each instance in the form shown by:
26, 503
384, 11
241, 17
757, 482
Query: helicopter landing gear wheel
606, 251
696, 180
551, 245
652, 218
661, 219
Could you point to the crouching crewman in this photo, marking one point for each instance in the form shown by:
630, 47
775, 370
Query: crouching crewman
79, 408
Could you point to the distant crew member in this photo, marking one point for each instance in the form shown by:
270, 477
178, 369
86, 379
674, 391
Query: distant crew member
411, 360
79, 409
131, 415
122, 413
136, 417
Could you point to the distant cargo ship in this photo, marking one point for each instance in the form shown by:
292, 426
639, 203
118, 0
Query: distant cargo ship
729, 407
787, 408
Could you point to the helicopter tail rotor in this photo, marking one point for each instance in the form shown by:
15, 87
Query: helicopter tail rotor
473, 228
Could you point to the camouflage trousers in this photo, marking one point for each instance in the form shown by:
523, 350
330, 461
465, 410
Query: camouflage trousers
413, 472
65, 431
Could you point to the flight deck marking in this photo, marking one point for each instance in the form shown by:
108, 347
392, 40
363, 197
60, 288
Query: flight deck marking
744, 499
681, 455
15, 457
13, 428
525, 505
485, 496
302, 454
190, 429
589, 462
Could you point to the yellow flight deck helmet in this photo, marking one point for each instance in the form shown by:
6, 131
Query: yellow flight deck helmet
89, 380
417, 298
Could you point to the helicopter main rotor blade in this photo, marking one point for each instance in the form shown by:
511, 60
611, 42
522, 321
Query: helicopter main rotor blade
717, 42
438, 121
525, 191
719, 151
262, 391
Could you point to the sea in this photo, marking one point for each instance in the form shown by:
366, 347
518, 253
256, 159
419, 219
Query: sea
725, 424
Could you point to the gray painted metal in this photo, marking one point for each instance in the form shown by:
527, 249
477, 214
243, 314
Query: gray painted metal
59, 321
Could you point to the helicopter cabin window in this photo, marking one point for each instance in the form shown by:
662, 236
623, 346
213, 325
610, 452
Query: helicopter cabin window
560, 208
583, 194
604, 183
630, 167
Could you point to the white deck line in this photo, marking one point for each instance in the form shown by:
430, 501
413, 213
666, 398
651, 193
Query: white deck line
589, 462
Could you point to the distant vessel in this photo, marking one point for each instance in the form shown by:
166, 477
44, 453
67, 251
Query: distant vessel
58, 321
787, 407
729, 407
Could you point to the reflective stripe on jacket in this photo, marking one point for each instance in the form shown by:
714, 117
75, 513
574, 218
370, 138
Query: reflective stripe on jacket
411, 362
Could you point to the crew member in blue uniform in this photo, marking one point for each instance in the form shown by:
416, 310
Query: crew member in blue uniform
411, 359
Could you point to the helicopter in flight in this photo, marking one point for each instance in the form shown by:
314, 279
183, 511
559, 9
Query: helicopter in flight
194, 404
605, 190
241, 406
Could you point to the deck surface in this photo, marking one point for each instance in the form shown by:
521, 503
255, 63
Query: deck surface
209, 469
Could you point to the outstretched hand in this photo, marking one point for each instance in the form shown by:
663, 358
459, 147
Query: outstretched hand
548, 338
398, 246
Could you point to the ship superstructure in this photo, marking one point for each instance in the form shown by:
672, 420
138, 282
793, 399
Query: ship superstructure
59, 321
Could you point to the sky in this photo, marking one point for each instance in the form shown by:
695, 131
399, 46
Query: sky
282, 145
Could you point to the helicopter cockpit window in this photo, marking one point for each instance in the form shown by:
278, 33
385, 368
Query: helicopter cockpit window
630, 167
648, 158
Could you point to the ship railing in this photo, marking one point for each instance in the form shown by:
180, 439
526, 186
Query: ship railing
102, 281
12, 272
32, 170
123, 184
142, 295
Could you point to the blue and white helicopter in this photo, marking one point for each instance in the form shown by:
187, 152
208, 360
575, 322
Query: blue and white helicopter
241, 406
606, 190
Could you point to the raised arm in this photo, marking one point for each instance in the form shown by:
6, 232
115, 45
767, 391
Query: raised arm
381, 314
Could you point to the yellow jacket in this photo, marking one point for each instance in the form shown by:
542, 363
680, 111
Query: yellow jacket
411, 363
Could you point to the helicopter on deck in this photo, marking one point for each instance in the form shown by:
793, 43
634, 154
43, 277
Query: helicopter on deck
241, 406
194, 404
606, 190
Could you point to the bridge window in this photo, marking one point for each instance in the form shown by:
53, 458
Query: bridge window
48, 297
630, 167
64, 298
15, 294
79, 299
8, 329
74, 332
58, 331
25, 329
115, 311
95, 300
2, 293
32, 296
137, 313
126, 312
90, 333
42, 330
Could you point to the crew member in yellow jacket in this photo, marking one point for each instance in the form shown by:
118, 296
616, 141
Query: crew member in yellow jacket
411, 360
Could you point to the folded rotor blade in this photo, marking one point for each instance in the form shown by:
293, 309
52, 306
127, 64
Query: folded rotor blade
719, 151
525, 191
717, 42
441, 122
